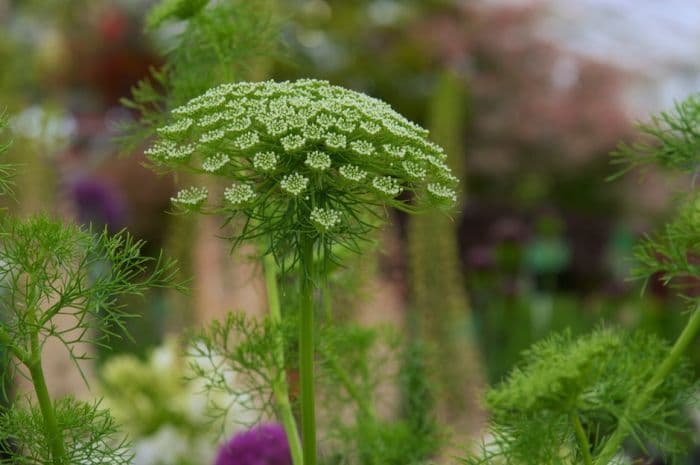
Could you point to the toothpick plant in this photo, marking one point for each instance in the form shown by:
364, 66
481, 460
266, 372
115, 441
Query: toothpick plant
310, 167
579, 400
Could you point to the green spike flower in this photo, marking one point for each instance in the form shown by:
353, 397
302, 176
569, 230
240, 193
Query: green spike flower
344, 151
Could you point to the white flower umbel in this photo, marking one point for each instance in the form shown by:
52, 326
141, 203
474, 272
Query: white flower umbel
208, 121
177, 127
325, 218
335, 140
387, 185
395, 151
239, 194
215, 162
293, 146
191, 197
238, 124
370, 127
247, 140
362, 147
319, 161
294, 183
265, 161
414, 170
212, 136
443, 192
352, 172
293, 142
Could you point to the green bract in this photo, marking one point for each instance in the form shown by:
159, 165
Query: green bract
304, 158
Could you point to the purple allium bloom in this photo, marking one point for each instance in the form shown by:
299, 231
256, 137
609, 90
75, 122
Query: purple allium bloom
262, 445
98, 203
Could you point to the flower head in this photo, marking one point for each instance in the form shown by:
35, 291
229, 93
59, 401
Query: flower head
191, 197
262, 445
239, 194
325, 218
297, 151
318, 160
294, 183
265, 161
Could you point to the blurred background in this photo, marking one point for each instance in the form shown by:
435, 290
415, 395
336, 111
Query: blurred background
528, 96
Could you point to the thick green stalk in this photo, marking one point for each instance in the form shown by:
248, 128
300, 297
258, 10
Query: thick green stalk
614, 443
582, 439
53, 433
280, 387
306, 354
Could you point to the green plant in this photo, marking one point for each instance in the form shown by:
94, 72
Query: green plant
51, 271
578, 400
6, 169
313, 166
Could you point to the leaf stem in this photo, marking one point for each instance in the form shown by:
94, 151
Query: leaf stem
681, 345
583, 443
280, 386
306, 353
52, 432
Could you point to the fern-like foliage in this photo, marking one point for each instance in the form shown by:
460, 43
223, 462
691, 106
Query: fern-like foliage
579, 400
237, 358
6, 169
670, 140
91, 435
567, 383
50, 272
673, 253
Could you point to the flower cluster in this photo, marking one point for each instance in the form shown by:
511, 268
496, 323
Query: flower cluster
296, 151
325, 218
192, 196
262, 445
239, 194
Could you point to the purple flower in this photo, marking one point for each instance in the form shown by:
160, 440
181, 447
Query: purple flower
262, 445
98, 203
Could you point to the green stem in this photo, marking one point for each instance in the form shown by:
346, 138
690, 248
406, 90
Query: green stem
6, 340
583, 443
280, 387
623, 428
306, 354
53, 433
